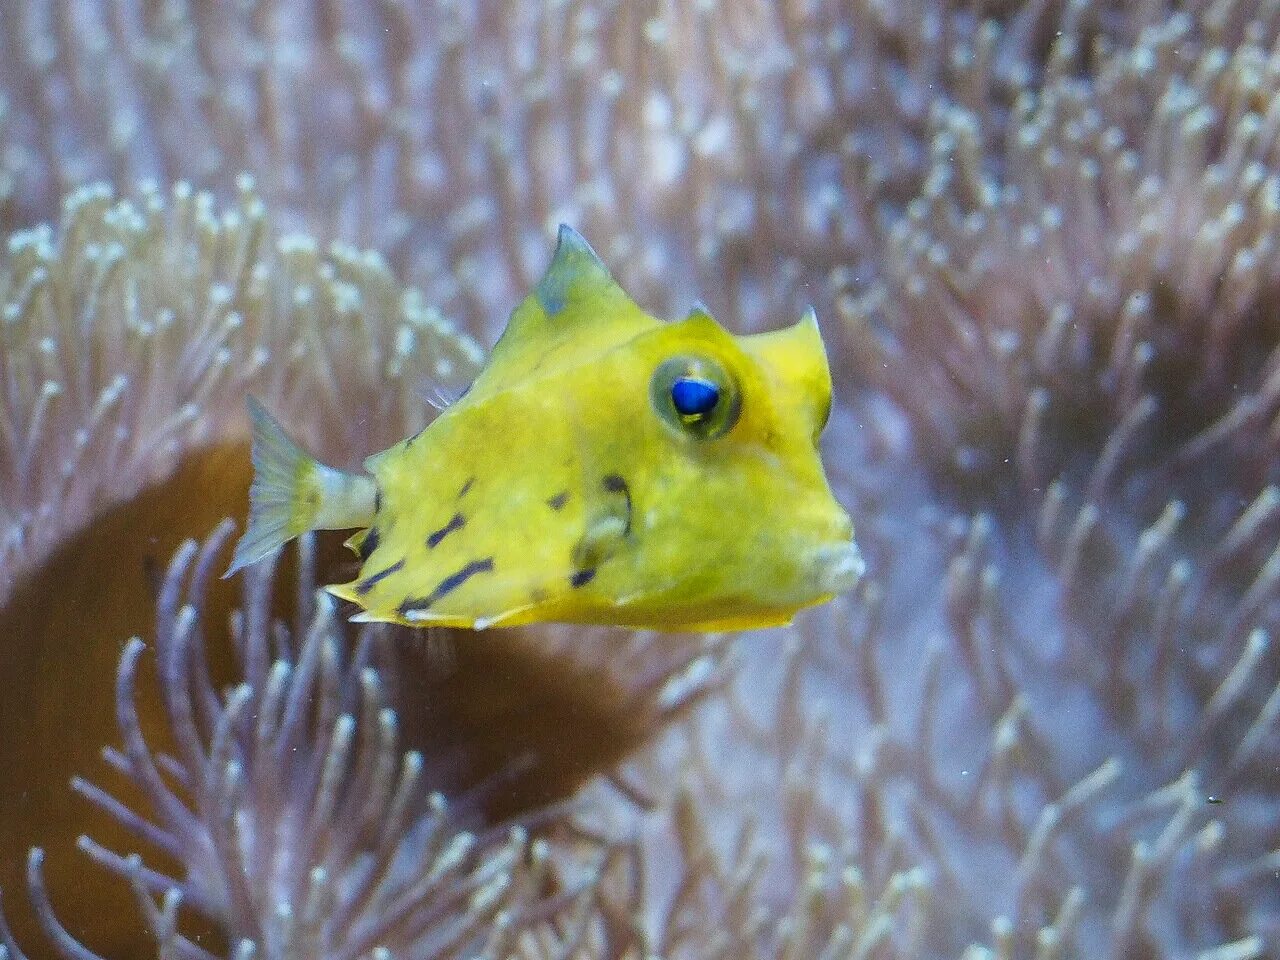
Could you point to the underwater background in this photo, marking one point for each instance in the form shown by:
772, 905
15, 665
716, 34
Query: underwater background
1041, 241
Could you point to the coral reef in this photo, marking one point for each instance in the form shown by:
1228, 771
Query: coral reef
1041, 239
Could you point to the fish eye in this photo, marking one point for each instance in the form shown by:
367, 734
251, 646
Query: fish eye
696, 395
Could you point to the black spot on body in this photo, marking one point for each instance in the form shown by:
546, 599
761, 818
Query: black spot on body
368, 583
582, 577
615, 484
456, 522
559, 500
446, 586
466, 487
368, 544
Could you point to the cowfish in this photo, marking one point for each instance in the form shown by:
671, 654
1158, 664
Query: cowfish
604, 467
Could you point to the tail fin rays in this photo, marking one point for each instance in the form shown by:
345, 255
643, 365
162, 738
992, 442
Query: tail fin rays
284, 498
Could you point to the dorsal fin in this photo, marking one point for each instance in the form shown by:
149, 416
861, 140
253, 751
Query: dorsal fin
576, 311
575, 272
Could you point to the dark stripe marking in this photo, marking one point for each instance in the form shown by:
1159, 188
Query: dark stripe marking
615, 484
368, 583
447, 585
465, 487
377, 499
559, 500
368, 544
582, 577
456, 522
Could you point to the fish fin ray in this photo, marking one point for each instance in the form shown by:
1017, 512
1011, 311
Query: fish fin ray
284, 496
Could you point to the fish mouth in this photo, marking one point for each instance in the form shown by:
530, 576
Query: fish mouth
838, 568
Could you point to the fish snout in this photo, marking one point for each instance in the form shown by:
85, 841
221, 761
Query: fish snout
837, 568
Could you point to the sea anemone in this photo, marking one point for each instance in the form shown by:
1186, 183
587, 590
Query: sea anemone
192, 308
129, 338
131, 334
718, 150
299, 824
298, 827
1077, 325
1041, 241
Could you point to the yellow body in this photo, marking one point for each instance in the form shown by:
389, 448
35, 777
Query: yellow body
564, 486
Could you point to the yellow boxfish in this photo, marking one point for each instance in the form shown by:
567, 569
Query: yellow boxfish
604, 467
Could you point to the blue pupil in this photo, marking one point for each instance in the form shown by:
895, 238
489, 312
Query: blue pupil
693, 397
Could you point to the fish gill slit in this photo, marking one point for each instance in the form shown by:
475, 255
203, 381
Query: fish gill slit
456, 522
368, 583
446, 586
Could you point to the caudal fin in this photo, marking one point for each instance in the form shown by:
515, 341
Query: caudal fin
284, 498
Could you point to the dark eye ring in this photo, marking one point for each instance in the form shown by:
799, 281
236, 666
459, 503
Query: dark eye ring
696, 395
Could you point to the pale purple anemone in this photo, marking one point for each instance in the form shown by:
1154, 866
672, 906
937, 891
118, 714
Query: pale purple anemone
302, 825
132, 332
1042, 242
